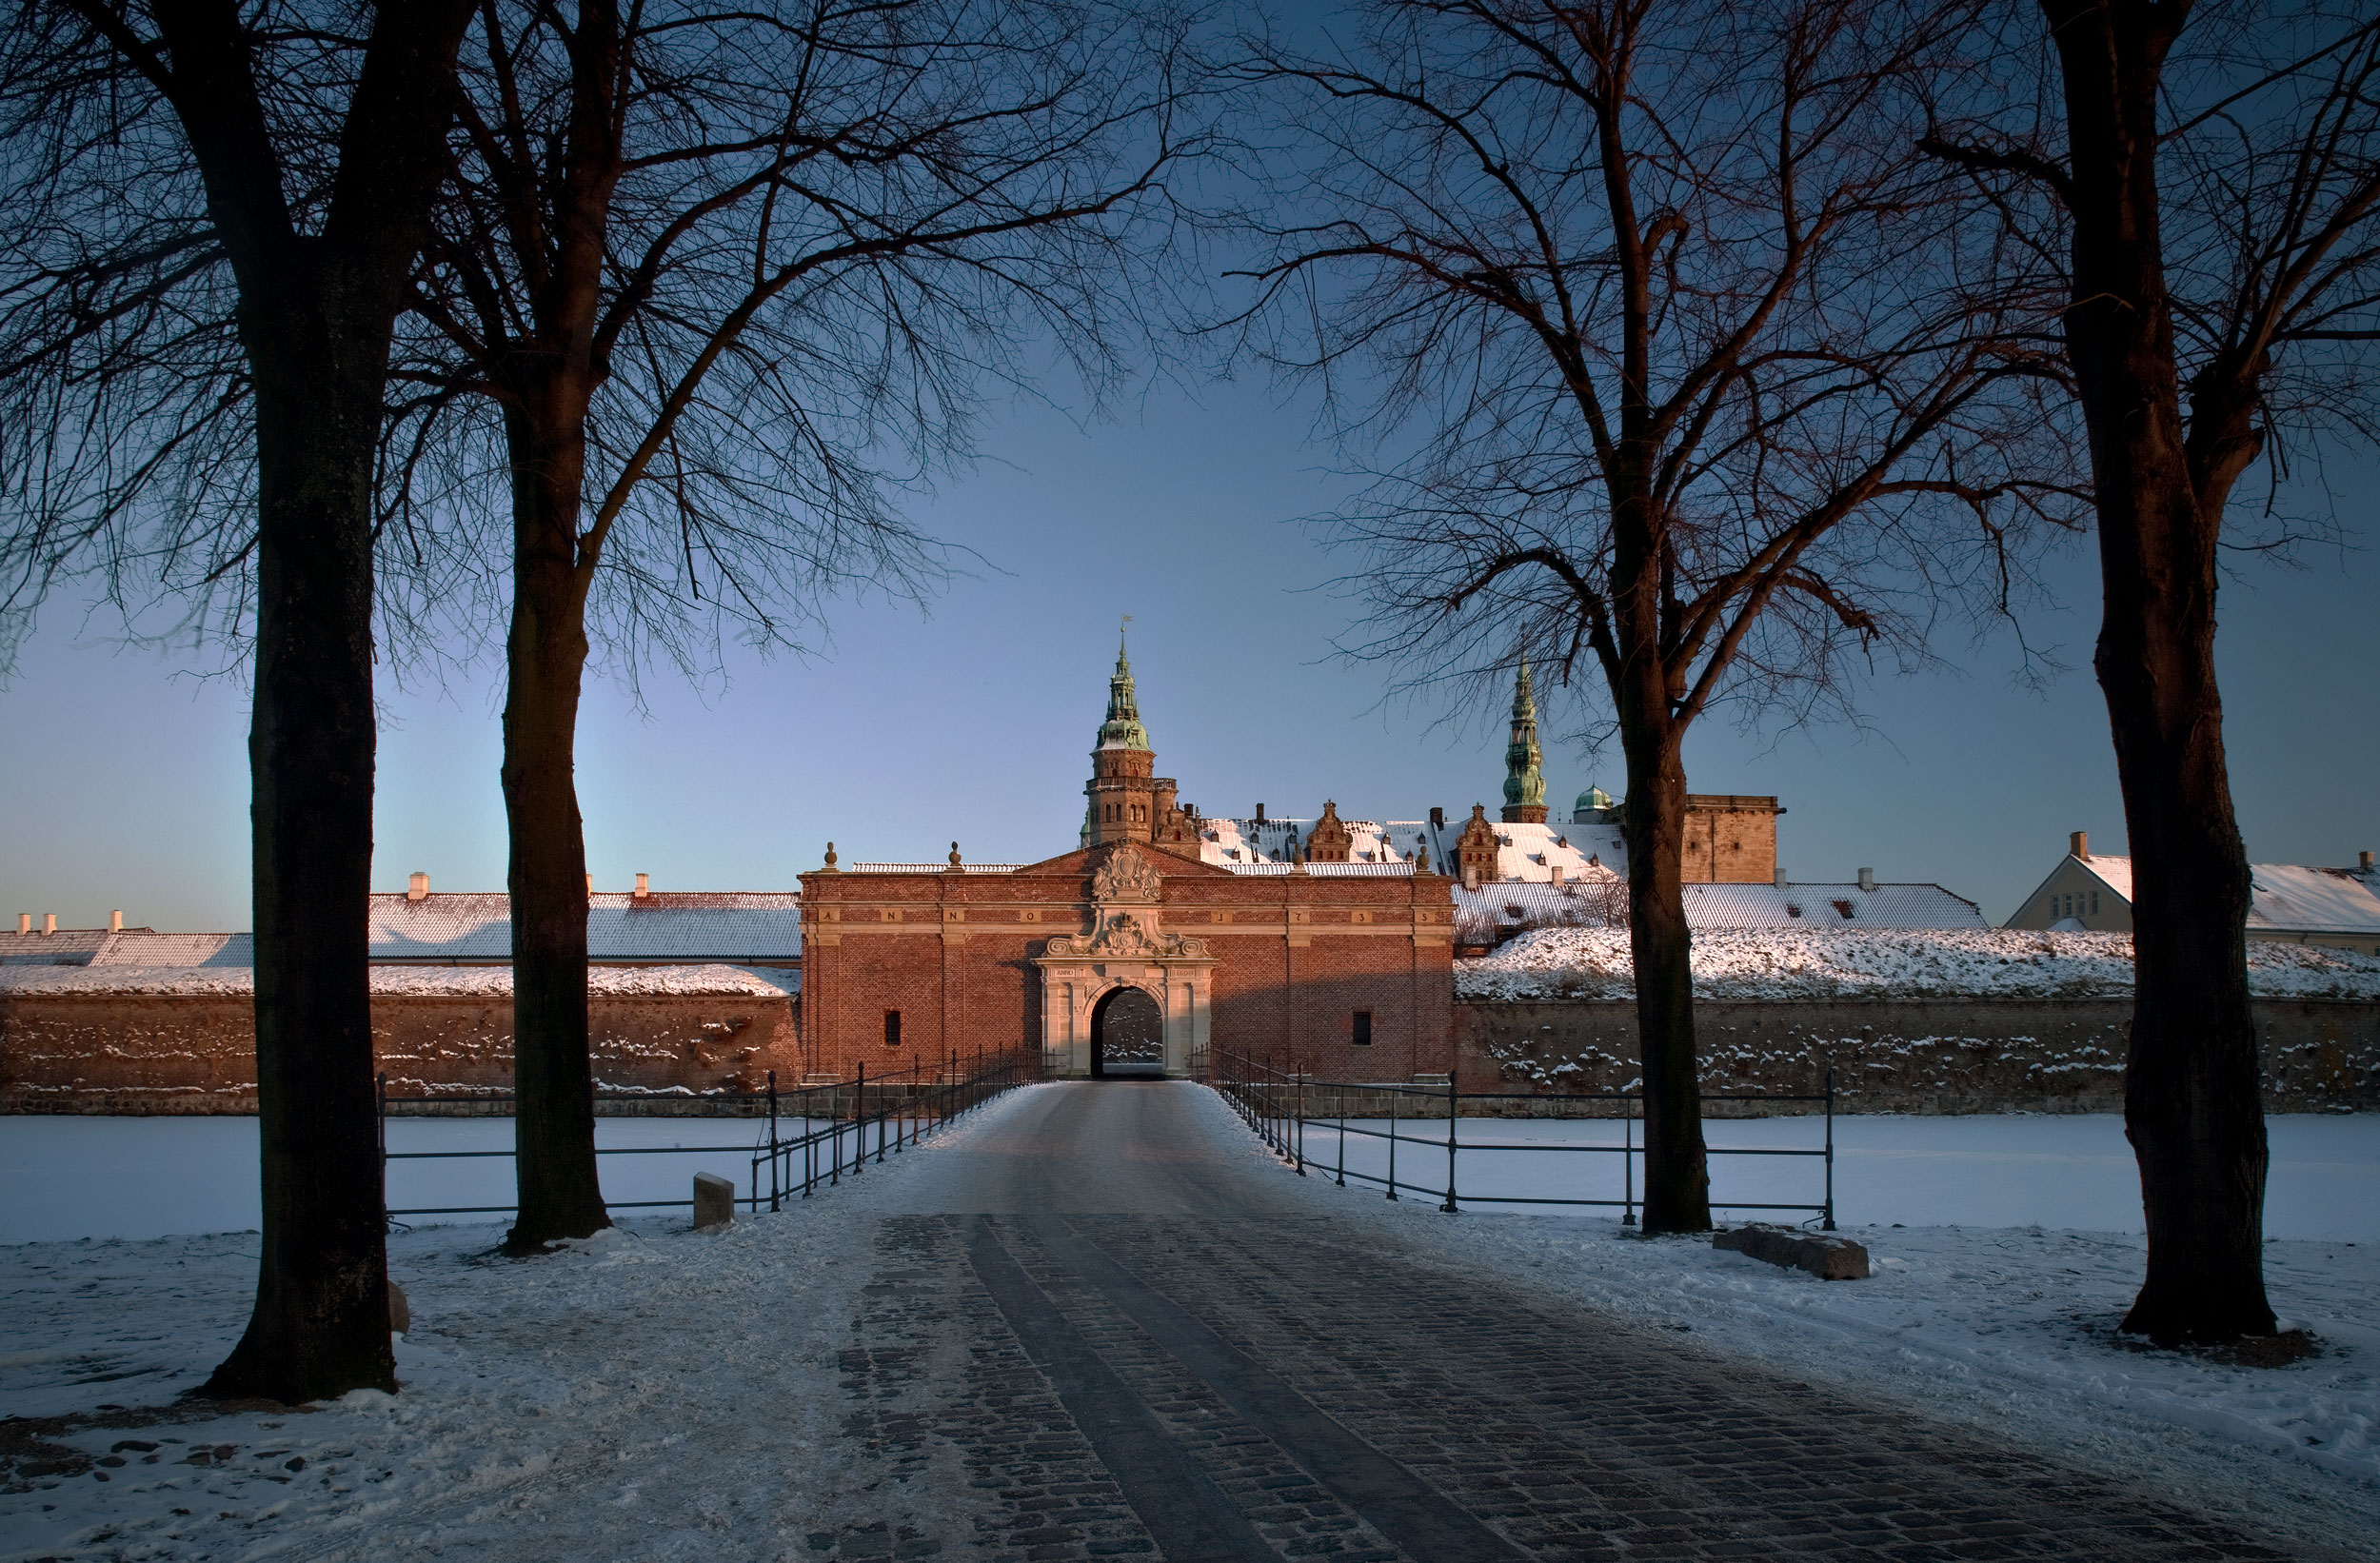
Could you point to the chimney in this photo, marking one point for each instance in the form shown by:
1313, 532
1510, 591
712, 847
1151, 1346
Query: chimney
417, 888
1780, 877
1259, 814
1438, 818
590, 884
1867, 878
50, 923
1555, 870
2078, 846
2363, 861
115, 920
643, 886
25, 922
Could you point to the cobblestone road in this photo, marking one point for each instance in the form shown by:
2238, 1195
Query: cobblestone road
1136, 1345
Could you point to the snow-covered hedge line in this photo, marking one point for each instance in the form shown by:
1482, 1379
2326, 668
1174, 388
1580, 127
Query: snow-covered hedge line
1860, 963
399, 981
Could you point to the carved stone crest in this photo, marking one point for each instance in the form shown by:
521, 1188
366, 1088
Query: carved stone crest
1123, 935
1126, 876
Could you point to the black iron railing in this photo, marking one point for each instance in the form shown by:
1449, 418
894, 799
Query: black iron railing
825, 1127
1281, 1104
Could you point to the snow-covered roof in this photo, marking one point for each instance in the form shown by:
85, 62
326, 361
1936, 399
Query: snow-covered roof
67, 947
1842, 963
2315, 900
1485, 915
147, 949
1326, 871
705, 926
1524, 853
1493, 911
1805, 904
132, 947
2286, 897
1237, 843
426, 981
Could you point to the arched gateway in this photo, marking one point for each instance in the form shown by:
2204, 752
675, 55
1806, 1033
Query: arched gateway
1127, 1034
1087, 977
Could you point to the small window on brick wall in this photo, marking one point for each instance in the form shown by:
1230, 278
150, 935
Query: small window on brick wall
1362, 1036
892, 1028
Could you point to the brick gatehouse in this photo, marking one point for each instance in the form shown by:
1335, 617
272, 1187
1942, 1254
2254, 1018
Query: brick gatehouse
1131, 946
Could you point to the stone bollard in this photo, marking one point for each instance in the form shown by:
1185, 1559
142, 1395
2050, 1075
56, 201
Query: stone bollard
1829, 1259
714, 1200
400, 1310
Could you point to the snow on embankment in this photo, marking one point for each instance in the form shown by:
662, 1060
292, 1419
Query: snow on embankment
1761, 964
400, 982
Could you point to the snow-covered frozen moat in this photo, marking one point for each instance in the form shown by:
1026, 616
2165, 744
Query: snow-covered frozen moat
137, 1177
662, 1394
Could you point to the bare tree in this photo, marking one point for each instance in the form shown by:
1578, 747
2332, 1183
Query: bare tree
1713, 388
215, 211
710, 288
2210, 177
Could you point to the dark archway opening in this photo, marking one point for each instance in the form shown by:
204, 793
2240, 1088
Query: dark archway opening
1127, 1036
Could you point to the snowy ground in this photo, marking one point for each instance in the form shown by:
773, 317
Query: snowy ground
609, 1393
1822, 962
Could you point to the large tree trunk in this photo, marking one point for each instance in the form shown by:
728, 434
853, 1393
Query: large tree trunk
2191, 1089
319, 1326
553, 1082
1676, 1168
316, 315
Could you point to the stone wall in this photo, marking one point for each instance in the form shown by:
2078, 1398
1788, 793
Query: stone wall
130, 1053
1911, 1056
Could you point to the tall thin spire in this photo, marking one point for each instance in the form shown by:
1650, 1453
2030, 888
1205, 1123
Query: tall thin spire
1524, 774
1122, 729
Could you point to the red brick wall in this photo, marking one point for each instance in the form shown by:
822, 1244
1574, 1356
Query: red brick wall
1297, 955
124, 1052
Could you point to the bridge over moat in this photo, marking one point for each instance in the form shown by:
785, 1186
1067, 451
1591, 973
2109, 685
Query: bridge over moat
1167, 1347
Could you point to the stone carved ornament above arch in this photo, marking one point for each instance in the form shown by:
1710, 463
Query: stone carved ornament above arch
1127, 875
1120, 934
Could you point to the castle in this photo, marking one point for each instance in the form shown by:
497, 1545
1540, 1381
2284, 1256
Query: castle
1152, 941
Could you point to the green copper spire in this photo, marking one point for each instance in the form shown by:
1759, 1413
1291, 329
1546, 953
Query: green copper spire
1122, 729
1524, 777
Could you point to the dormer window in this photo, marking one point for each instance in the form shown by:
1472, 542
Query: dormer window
1231, 852
1844, 907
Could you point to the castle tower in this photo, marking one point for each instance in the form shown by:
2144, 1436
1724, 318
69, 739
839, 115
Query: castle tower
1123, 789
1524, 776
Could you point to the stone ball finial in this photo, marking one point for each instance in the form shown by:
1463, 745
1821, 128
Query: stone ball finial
954, 855
830, 857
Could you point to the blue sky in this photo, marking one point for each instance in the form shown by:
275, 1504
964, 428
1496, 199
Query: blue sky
973, 720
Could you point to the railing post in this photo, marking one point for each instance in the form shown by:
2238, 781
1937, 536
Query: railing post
1829, 1224
1393, 1095
1449, 1206
380, 1109
776, 1193
1341, 1092
1301, 1123
1628, 1158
